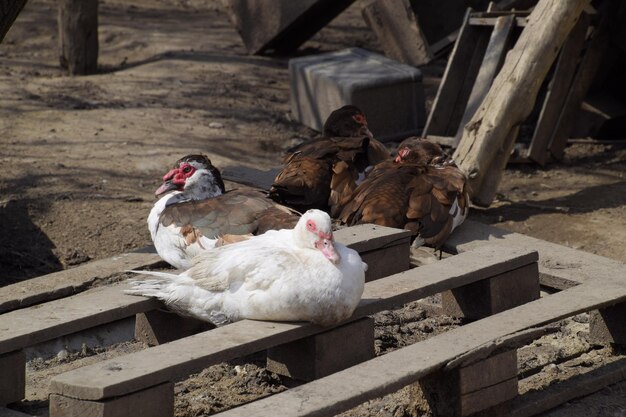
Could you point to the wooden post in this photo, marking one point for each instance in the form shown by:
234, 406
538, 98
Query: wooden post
512, 95
78, 36
9, 9
398, 31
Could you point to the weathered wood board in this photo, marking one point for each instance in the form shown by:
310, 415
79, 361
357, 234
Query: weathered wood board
560, 267
64, 283
341, 391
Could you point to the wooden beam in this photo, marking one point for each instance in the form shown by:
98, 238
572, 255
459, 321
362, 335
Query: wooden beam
9, 10
499, 44
398, 31
557, 91
457, 81
514, 90
78, 36
591, 61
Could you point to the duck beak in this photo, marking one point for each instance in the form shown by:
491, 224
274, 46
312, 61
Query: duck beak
165, 187
402, 153
327, 247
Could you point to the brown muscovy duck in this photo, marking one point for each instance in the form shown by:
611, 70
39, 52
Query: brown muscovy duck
422, 190
323, 172
195, 212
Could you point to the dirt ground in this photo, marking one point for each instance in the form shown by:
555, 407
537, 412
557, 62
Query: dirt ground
82, 156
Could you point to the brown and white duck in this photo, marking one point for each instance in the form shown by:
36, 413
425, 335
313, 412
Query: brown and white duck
422, 190
323, 172
194, 212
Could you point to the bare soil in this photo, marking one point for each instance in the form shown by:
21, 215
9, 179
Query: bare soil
81, 157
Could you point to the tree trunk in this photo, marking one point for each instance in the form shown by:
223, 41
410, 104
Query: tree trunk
78, 36
514, 91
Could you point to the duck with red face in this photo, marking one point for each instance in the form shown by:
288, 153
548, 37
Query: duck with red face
195, 212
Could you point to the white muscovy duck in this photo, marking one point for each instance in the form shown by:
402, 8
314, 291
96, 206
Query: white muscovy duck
194, 212
297, 274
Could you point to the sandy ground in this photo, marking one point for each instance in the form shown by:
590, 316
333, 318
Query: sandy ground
82, 156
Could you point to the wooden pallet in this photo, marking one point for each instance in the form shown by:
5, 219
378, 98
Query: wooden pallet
145, 375
483, 42
491, 265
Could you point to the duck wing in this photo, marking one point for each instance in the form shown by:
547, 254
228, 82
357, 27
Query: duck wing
237, 212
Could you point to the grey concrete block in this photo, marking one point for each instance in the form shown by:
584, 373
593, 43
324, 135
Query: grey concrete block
493, 295
12, 377
280, 25
608, 326
325, 353
389, 93
157, 401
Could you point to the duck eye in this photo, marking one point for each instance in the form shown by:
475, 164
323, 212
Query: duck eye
310, 226
187, 169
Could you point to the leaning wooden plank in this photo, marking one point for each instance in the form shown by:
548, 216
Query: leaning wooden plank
499, 44
439, 121
32, 325
9, 10
557, 92
280, 25
63, 283
514, 90
346, 389
165, 362
560, 267
597, 48
398, 31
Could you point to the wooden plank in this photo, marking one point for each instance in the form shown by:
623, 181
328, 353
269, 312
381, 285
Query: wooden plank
368, 237
251, 176
452, 80
7, 412
448, 141
442, 44
32, 325
63, 283
560, 267
9, 10
591, 61
398, 31
153, 366
499, 44
557, 91
353, 386
578, 386
493, 21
